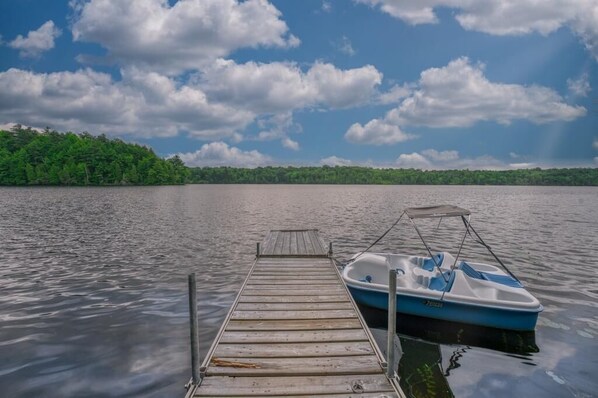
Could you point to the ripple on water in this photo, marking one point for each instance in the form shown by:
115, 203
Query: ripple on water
93, 281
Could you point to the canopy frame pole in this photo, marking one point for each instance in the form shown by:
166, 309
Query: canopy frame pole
461, 246
481, 242
428, 249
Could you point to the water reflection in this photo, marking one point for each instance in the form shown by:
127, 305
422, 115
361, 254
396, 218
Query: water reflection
443, 332
432, 349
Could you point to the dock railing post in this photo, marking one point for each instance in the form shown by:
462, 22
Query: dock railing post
257, 249
195, 371
392, 323
330, 249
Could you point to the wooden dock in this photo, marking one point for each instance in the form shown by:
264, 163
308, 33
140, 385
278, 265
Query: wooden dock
294, 331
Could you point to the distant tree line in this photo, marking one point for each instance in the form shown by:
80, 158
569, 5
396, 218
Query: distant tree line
367, 175
28, 157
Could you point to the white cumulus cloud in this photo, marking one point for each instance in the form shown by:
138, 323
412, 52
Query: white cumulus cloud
215, 105
336, 161
432, 159
279, 127
394, 95
376, 132
279, 87
504, 17
459, 95
36, 41
442, 156
143, 104
221, 154
181, 36
579, 87
413, 160
345, 46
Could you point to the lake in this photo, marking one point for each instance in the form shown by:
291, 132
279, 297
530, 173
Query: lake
93, 288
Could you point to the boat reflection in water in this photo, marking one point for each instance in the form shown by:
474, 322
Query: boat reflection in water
422, 368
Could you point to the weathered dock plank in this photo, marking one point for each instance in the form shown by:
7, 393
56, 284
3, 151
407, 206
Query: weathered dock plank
337, 365
294, 336
293, 350
294, 243
343, 305
294, 331
295, 324
320, 314
298, 385
294, 299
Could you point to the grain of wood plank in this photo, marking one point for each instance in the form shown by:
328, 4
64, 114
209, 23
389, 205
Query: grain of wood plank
274, 260
293, 350
293, 243
309, 247
290, 284
292, 267
250, 291
271, 241
365, 364
314, 248
293, 306
328, 287
318, 246
292, 260
301, 243
293, 274
278, 243
293, 324
388, 394
291, 385
294, 299
293, 336
284, 237
282, 277
321, 314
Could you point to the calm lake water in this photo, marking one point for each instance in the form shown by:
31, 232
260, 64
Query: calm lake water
93, 298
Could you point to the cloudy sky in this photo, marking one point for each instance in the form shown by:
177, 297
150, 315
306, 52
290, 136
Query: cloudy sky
431, 84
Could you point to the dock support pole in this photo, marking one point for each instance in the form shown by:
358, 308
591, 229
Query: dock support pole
392, 323
330, 249
195, 371
257, 249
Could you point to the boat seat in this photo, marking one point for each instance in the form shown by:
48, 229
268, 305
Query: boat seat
428, 263
421, 277
439, 283
502, 279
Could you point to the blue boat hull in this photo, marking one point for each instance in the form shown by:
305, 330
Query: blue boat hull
450, 311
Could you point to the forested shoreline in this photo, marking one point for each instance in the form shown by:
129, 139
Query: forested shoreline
28, 157
367, 175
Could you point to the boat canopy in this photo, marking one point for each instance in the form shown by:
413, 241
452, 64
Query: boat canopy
436, 211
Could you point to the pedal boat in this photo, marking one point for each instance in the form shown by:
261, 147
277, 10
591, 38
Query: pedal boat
442, 287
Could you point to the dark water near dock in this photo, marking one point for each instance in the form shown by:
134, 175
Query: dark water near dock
93, 282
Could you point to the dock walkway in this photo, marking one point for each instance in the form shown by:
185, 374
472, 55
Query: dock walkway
294, 331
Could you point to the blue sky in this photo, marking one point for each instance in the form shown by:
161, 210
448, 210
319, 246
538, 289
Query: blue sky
385, 83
